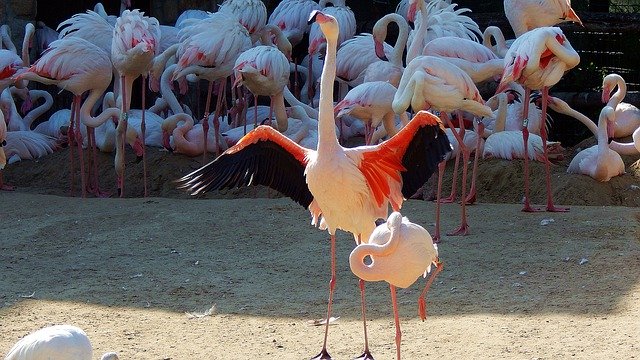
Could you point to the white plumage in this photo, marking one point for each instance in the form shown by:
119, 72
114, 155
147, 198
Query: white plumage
58, 342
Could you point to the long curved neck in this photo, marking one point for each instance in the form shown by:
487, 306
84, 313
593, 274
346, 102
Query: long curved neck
281, 113
501, 119
326, 122
167, 93
603, 138
169, 124
87, 105
617, 97
567, 110
494, 32
292, 100
28, 34
421, 31
403, 35
38, 111
6, 39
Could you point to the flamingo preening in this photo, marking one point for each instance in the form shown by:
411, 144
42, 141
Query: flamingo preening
400, 253
537, 60
372, 177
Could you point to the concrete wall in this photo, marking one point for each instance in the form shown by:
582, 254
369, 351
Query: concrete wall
16, 14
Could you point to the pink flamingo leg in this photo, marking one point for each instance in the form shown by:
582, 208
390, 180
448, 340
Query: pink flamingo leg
454, 183
525, 137
463, 229
205, 121
472, 197
366, 354
547, 165
422, 304
216, 116
125, 110
441, 167
4, 186
142, 130
324, 355
396, 318
78, 138
70, 141
255, 111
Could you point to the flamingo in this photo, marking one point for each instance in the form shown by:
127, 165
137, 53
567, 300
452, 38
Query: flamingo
503, 143
432, 82
627, 115
9, 65
390, 69
76, 65
99, 9
291, 16
89, 26
599, 161
28, 145
526, 15
371, 103
134, 45
372, 177
264, 70
252, 14
14, 119
209, 49
537, 60
57, 342
400, 253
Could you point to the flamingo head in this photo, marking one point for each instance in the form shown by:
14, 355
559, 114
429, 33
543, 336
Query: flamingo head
606, 93
379, 47
411, 12
328, 24
513, 95
344, 107
571, 16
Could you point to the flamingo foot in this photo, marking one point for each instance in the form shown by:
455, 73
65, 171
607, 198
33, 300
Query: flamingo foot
471, 199
324, 355
463, 230
528, 208
436, 239
7, 187
553, 208
366, 355
448, 200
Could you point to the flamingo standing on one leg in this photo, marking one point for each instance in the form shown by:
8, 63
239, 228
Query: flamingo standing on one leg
76, 65
135, 43
432, 82
373, 177
400, 253
537, 60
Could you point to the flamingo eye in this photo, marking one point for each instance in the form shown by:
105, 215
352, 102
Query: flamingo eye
3, 143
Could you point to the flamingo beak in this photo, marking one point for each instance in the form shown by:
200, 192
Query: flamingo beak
606, 94
3, 158
573, 17
379, 46
411, 13
165, 140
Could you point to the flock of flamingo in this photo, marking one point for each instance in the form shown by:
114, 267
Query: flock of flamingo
298, 150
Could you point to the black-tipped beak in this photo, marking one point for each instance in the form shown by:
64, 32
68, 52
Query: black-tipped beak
312, 16
610, 140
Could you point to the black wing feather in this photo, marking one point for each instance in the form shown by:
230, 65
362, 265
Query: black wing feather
428, 147
261, 163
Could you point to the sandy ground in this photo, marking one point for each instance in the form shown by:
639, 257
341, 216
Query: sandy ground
128, 270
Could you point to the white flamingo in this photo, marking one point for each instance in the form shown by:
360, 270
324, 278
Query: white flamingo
627, 115
58, 342
526, 15
599, 161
